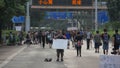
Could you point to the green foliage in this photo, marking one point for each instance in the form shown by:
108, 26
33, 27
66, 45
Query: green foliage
114, 9
7, 32
110, 32
112, 25
2, 3
114, 14
8, 9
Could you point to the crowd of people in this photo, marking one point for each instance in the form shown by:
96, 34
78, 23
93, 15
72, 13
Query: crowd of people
77, 37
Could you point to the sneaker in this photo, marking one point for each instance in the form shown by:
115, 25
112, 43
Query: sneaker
114, 52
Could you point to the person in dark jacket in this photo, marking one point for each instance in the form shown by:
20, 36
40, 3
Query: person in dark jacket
97, 41
105, 39
60, 35
78, 45
40, 36
116, 42
43, 39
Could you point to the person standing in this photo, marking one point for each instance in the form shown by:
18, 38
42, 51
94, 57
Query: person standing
20, 37
50, 38
88, 37
28, 39
40, 36
105, 39
116, 42
60, 52
78, 45
97, 41
43, 39
68, 36
11, 39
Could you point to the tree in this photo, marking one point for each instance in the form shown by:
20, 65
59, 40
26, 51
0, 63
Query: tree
2, 4
8, 9
114, 13
114, 9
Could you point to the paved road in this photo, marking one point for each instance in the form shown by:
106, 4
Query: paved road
7, 51
33, 57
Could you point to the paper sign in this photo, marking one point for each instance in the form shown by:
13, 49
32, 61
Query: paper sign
18, 28
60, 43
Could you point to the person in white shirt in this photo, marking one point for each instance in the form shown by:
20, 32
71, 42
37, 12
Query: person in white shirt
88, 38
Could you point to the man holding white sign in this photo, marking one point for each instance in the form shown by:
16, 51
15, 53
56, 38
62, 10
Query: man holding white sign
60, 44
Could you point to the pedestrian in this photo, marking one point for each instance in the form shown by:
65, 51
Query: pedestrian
50, 38
11, 38
88, 37
78, 45
35, 39
20, 36
97, 41
60, 52
28, 39
40, 36
105, 38
43, 39
116, 42
68, 36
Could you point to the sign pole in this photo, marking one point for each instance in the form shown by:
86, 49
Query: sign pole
27, 24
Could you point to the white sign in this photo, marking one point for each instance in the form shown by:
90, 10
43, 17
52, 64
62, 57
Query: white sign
60, 43
18, 28
109, 61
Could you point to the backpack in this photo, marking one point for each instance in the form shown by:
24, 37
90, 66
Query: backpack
117, 36
105, 38
97, 38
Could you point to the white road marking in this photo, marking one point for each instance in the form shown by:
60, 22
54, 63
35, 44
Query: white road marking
11, 57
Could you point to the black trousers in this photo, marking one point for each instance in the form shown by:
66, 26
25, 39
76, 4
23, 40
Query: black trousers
40, 40
43, 44
88, 43
60, 52
78, 50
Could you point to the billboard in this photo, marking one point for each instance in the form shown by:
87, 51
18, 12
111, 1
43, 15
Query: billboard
62, 2
59, 15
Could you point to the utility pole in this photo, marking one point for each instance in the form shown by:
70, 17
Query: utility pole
96, 15
27, 23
